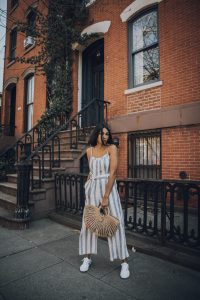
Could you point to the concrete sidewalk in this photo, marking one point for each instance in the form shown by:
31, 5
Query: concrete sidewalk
43, 263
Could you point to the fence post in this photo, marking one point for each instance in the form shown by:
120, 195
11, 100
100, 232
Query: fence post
163, 213
23, 186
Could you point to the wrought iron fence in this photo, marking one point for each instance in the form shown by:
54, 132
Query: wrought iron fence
164, 209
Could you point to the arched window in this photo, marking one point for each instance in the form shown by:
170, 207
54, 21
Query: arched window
29, 101
144, 48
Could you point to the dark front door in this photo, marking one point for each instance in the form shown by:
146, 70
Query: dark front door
93, 82
12, 111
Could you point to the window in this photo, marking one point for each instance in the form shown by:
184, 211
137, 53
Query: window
13, 41
13, 3
143, 49
29, 99
31, 20
144, 155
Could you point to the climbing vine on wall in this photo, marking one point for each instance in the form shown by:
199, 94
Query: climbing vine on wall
54, 34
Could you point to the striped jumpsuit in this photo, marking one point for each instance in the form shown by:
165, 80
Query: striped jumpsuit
94, 192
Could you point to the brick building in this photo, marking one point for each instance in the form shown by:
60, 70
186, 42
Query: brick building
145, 63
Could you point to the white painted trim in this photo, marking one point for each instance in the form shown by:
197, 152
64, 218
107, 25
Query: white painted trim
79, 80
100, 27
134, 7
143, 87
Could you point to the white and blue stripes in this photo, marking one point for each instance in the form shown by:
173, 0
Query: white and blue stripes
94, 191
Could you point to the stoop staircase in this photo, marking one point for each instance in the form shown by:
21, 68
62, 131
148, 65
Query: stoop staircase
48, 151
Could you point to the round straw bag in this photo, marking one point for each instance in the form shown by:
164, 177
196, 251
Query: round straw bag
99, 221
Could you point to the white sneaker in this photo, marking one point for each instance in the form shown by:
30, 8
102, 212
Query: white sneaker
125, 273
86, 264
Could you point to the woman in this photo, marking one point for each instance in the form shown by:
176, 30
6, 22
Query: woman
101, 188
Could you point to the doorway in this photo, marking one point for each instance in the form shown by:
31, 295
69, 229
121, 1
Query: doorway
93, 82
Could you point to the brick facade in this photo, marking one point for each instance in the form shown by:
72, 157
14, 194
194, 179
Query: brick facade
181, 152
18, 71
179, 44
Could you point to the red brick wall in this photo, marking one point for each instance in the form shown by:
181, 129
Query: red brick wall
122, 156
179, 32
144, 100
181, 152
17, 69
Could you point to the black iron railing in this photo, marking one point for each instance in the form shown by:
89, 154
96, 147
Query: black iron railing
41, 144
164, 209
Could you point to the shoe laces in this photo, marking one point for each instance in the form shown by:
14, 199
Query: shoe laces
125, 267
86, 261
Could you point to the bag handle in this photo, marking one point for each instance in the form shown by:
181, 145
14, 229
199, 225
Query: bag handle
104, 211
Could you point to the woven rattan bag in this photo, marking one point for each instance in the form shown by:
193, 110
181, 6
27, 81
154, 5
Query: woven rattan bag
100, 221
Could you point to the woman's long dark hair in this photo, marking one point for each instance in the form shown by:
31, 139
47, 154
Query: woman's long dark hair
94, 135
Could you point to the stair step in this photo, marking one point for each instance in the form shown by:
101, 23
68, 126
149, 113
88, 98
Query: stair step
8, 220
9, 188
7, 201
56, 169
12, 178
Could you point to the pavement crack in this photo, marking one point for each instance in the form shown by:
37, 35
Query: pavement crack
30, 274
17, 252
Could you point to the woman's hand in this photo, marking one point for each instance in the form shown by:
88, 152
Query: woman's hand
104, 202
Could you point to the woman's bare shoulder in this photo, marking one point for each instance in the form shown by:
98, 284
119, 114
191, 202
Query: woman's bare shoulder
112, 149
89, 151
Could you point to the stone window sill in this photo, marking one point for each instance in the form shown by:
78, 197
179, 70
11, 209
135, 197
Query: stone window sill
143, 87
10, 63
29, 48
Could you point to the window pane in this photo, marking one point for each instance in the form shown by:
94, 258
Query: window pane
144, 155
31, 19
13, 40
145, 31
30, 117
146, 66
154, 151
30, 90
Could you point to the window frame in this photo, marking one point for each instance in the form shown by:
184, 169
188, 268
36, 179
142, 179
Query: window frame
13, 46
26, 103
133, 166
28, 17
131, 53
13, 4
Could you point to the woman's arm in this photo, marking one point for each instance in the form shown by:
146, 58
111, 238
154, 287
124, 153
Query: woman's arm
111, 179
88, 153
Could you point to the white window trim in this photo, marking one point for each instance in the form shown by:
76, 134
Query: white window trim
101, 28
134, 7
143, 87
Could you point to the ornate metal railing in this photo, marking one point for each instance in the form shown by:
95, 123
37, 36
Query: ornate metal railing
42, 145
164, 209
